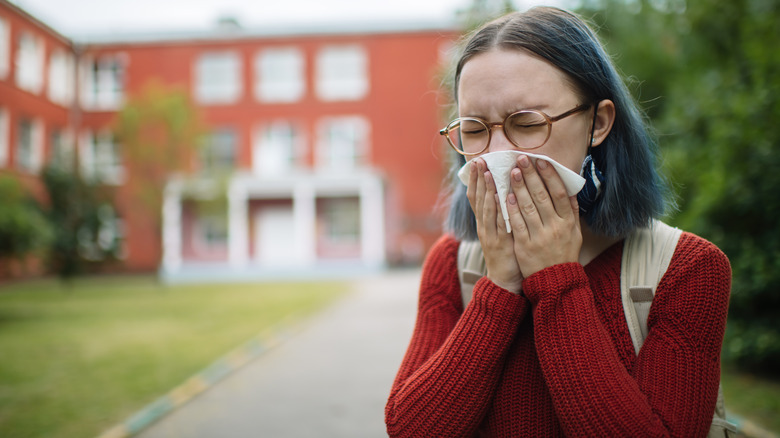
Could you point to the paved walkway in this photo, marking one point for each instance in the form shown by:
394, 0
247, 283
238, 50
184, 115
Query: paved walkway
330, 380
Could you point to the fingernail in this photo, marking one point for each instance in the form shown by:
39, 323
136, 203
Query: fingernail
542, 164
511, 199
524, 161
517, 175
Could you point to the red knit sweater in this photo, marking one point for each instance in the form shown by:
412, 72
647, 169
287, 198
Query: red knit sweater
558, 360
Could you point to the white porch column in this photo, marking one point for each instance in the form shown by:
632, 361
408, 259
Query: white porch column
305, 222
171, 227
238, 224
372, 221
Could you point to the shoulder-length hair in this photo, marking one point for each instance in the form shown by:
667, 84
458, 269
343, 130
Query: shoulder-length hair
634, 193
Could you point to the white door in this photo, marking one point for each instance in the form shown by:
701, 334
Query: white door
274, 237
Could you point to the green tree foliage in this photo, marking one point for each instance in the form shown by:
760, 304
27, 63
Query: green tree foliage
709, 79
160, 132
23, 228
81, 216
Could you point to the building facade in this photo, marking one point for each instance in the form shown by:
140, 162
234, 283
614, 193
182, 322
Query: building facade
326, 139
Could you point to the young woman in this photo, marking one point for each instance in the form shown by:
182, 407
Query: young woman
543, 348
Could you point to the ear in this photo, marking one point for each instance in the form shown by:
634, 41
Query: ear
605, 117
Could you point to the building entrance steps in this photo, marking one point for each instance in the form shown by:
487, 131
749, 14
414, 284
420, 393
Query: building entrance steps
330, 379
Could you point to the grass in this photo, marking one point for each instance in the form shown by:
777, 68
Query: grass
76, 360
753, 398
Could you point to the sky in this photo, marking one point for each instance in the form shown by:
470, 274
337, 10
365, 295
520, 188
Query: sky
74, 18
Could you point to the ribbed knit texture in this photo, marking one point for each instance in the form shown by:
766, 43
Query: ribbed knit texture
558, 360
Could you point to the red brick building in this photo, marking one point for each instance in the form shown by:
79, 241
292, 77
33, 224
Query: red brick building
329, 135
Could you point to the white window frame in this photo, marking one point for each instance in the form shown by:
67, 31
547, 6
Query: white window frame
29, 63
103, 81
5, 137
100, 158
280, 75
62, 153
215, 149
29, 160
5, 48
200, 242
278, 147
218, 78
343, 143
61, 81
342, 73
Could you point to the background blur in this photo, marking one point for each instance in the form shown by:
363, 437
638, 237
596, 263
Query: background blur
244, 141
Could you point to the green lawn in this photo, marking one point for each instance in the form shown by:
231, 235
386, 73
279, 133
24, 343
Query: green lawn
752, 398
75, 361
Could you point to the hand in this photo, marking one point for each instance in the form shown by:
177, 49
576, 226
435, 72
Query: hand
497, 244
545, 220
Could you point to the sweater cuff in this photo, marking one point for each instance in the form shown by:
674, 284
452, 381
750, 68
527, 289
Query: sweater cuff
551, 282
497, 301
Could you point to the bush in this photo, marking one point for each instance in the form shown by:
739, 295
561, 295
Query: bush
23, 228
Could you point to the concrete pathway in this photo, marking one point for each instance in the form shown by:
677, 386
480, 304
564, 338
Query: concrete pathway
331, 379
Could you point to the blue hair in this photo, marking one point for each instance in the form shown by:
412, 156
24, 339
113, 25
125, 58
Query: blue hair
634, 193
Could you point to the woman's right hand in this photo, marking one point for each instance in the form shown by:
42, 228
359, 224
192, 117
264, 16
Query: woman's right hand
497, 244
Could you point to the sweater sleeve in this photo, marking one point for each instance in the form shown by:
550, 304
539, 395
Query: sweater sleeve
672, 386
454, 362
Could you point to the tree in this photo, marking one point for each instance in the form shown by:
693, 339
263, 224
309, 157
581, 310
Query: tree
160, 132
23, 228
83, 236
713, 67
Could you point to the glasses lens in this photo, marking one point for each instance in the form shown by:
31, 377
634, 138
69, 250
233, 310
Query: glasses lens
468, 135
527, 129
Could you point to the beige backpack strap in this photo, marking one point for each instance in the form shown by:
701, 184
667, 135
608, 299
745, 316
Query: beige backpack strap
471, 267
646, 256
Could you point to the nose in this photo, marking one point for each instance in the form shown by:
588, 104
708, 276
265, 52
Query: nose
498, 140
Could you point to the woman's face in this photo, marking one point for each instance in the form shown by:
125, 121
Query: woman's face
499, 82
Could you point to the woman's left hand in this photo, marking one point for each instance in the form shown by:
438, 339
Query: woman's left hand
545, 220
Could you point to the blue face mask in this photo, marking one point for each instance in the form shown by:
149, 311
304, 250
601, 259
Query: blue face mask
590, 192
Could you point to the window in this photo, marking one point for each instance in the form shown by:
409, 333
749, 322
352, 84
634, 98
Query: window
219, 153
5, 48
29, 63
279, 75
103, 82
4, 137
29, 146
101, 159
218, 78
341, 220
105, 238
211, 233
61, 75
342, 143
342, 73
277, 147
62, 150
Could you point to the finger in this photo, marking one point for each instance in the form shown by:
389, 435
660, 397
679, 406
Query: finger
471, 188
525, 203
519, 227
489, 207
555, 189
538, 191
575, 209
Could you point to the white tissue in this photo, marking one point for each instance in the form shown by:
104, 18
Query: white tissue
501, 164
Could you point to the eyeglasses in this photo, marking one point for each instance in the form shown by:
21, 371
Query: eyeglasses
526, 129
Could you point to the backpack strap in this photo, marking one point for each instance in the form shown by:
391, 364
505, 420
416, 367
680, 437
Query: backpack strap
471, 267
647, 253
646, 256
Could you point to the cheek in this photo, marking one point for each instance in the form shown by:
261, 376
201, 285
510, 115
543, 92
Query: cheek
570, 152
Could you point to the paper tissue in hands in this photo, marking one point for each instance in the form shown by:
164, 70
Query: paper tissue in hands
501, 164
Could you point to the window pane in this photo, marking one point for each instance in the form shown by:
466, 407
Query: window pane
342, 73
276, 148
5, 48
343, 143
218, 78
280, 75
